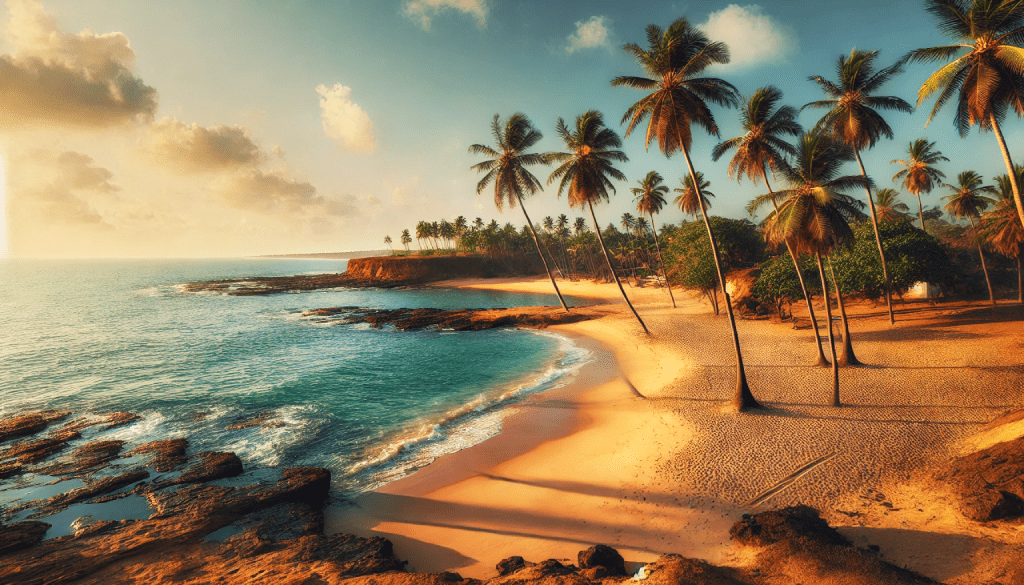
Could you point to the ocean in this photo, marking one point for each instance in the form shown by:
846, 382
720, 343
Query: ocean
97, 336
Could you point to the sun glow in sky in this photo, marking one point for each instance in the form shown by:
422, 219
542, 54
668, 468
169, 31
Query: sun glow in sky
3, 211
148, 128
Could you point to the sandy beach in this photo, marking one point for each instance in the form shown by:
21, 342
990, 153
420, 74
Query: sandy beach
640, 451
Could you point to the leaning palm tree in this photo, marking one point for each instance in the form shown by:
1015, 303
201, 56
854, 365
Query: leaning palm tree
762, 148
628, 223
985, 73
853, 119
1001, 229
406, 240
888, 207
508, 171
919, 173
814, 213
968, 200
585, 170
650, 198
675, 59
387, 240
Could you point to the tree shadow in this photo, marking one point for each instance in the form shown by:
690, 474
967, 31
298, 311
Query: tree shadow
902, 546
773, 410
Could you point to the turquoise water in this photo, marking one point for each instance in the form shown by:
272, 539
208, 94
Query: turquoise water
371, 405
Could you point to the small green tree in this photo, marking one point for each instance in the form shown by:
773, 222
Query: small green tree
778, 283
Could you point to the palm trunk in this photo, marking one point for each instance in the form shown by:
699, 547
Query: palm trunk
660, 261
984, 269
920, 212
1009, 168
743, 398
848, 359
1020, 281
796, 264
878, 239
831, 336
536, 242
608, 259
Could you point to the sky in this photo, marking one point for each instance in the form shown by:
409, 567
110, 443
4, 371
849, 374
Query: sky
144, 128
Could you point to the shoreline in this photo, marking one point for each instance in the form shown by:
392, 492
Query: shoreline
673, 473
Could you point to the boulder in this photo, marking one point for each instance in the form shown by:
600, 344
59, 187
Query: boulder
212, 465
510, 565
166, 455
602, 556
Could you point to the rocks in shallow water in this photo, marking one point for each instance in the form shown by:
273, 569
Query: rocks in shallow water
89, 491
457, 320
212, 465
989, 484
602, 556
263, 419
21, 535
120, 419
166, 455
36, 451
29, 424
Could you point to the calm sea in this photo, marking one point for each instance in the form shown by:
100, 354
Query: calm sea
371, 405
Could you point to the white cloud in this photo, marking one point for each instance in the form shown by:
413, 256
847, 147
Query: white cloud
589, 35
754, 37
344, 121
422, 11
58, 79
62, 188
191, 148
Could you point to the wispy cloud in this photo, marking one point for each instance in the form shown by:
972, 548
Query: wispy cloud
589, 35
423, 11
754, 37
59, 79
59, 187
344, 121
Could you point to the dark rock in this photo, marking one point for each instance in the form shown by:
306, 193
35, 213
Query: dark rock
168, 455
212, 465
594, 573
602, 556
21, 535
797, 543
510, 565
787, 524
120, 419
989, 484
86, 458
36, 451
457, 320
24, 425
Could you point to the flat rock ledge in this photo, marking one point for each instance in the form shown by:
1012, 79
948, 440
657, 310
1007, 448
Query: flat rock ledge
456, 320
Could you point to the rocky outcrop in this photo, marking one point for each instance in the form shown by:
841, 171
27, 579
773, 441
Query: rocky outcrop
797, 544
989, 484
29, 424
457, 320
377, 272
166, 455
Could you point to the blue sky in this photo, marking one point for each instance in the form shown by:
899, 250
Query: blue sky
405, 87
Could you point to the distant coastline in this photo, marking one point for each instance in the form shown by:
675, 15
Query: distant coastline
331, 255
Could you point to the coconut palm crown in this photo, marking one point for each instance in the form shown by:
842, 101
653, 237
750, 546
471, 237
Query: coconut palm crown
968, 198
688, 196
983, 70
650, 195
585, 171
919, 173
889, 207
761, 147
679, 97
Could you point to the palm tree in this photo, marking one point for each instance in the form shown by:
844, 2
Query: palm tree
585, 170
687, 199
814, 213
1001, 228
678, 98
985, 72
406, 240
889, 208
387, 240
919, 173
650, 198
853, 119
508, 171
968, 201
761, 148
